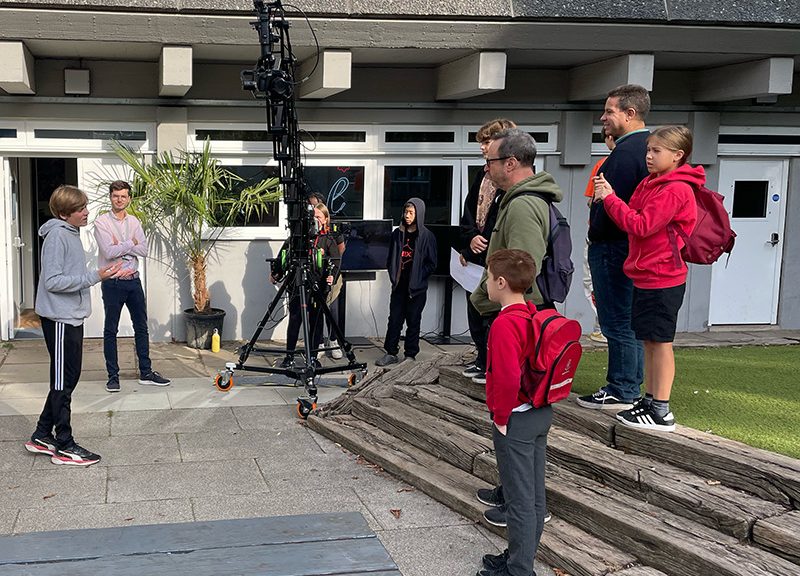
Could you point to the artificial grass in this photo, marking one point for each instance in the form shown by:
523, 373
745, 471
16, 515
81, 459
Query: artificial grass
750, 393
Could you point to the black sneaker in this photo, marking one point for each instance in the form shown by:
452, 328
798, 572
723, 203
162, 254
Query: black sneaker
473, 370
547, 517
491, 496
113, 384
496, 516
644, 416
153, 379
287, 362
502, 571
387, 359
43, 445
493, 562
75, 456
602, 400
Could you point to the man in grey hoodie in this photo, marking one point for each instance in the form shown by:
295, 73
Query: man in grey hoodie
63, 302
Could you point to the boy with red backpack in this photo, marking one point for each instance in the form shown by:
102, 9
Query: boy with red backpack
520, 430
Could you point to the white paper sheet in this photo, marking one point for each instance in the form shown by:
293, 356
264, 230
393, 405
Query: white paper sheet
468, 276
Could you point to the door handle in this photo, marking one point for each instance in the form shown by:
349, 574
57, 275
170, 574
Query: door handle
17, 242
774, 238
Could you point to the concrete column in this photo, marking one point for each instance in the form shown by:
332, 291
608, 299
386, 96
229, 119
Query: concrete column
17, 68
594, 81
175, 70
472, 75
332, 75
172, 129
575, 138
705, 132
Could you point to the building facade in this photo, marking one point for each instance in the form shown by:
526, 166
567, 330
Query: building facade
397, 92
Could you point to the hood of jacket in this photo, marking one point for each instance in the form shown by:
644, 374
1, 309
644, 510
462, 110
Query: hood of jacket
694, 176
541, 182
419, 207
54, 223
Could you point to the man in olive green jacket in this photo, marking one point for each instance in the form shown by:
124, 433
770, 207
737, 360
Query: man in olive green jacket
523, 220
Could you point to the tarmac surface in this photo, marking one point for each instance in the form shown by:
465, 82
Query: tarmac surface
188, 452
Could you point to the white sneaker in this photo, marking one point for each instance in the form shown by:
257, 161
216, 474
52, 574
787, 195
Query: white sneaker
598, 336
336, 353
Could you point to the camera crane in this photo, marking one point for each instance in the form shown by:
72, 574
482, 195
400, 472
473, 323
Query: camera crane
301, 266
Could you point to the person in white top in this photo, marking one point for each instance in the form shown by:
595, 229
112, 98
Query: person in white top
120, 237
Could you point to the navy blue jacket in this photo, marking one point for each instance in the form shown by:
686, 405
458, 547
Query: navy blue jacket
425, 257
623, 169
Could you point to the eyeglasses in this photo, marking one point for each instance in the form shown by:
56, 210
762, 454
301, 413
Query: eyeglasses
490, 160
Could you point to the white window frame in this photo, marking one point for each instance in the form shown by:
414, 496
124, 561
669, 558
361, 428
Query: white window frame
549, 147
455, 192
13, 144
266, 146
760, 149
73, 147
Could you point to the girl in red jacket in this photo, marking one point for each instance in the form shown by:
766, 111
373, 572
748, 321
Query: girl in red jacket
662, 202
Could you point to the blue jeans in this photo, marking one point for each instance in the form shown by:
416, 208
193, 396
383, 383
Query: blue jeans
116, 294
613, 292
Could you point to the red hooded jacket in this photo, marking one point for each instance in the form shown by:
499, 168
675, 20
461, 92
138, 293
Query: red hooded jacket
510, 342
657, 202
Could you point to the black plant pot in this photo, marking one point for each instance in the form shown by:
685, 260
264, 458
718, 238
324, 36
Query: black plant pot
200, 327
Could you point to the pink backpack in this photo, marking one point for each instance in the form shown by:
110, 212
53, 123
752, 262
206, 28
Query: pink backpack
712, 235
550, 367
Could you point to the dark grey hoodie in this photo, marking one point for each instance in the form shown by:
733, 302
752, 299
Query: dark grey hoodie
64, 281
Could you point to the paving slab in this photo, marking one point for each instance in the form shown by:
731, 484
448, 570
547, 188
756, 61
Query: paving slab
13, 457
268, 418
102, 401
243, 444
53, 486
8, 517
21, 406
142, 422
282, 502
182, 480
210, 397
129, 450
397, 505
104, 515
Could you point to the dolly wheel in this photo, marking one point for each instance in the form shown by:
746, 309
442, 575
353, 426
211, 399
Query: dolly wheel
224, 382
304, 407
351, 380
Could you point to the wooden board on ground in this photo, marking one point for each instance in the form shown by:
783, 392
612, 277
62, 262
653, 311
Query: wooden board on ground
765, 474
451, 443
451, 377
447, 404
308, 545
781, 535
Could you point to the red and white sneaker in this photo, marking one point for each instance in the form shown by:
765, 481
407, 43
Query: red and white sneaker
75, 456
44, 445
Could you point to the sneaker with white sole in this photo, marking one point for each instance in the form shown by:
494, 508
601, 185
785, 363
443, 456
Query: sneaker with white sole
113, 384
43, 445
644, 416
496, 516
602, 400
75, 456
473, 370
153, 379
336, 353
598, 336
479, 379
491, 496
387, 359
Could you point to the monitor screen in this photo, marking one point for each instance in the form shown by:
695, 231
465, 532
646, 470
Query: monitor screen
366, 243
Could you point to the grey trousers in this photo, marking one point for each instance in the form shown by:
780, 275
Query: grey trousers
521, 460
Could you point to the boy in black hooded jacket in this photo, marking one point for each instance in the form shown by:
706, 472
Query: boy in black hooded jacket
412, 259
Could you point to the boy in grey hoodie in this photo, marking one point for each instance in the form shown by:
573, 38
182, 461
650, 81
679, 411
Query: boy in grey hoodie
63, 303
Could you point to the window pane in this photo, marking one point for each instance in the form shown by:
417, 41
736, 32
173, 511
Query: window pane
540, 137
420, 136
750, 199
341, 187
8, 133
253, 175
432, 184
91, 134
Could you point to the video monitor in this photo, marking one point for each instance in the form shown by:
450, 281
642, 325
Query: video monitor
366, 244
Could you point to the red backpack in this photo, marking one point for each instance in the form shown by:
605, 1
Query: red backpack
550, 366
712, 234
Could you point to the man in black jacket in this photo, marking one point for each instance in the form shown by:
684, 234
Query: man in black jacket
624, 118
412, 259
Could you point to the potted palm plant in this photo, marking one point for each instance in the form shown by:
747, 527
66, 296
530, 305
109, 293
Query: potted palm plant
185, 201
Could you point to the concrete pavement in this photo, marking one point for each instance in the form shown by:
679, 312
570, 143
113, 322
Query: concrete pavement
188, 452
